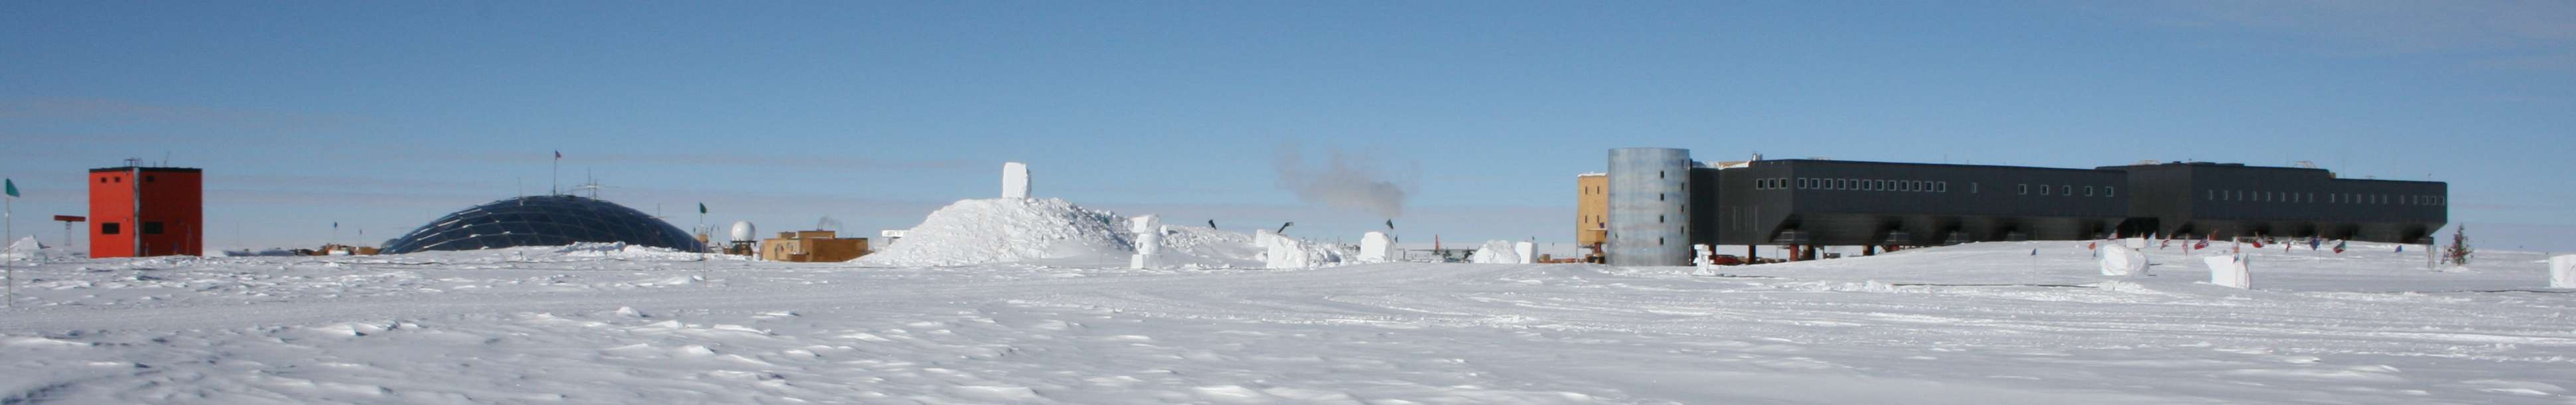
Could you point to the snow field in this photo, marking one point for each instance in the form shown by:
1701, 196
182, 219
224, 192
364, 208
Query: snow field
1984, 323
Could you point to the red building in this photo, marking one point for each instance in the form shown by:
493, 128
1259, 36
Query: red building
146, 211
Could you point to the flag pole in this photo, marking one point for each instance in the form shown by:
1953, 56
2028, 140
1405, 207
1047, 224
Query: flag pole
9, 230
554, 179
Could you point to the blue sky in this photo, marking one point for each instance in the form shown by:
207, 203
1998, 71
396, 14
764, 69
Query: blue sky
382, 116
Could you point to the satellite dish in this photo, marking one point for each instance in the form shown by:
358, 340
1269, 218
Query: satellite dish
742, 231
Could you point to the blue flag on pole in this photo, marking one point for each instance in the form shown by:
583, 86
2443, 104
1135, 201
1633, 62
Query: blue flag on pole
12, 185
702, 208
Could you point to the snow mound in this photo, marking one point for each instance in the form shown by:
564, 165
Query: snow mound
1208, 247
1007, 230
28, 248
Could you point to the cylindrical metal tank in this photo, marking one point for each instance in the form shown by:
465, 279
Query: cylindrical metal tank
1649, 189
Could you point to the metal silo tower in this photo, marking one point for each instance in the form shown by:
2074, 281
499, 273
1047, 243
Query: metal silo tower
1649, 194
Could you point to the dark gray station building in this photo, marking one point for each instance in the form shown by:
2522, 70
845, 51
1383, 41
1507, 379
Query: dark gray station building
1807, 203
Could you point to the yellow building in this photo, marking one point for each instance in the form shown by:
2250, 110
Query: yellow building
1591, 212
812, 246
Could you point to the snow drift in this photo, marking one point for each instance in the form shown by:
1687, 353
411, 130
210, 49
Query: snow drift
1052, 231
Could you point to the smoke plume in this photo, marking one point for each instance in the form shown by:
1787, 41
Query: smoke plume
1342, 182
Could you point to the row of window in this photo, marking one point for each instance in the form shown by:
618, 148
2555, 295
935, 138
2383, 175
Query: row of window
2330, 198
2069, 190
1810, 183
113, 228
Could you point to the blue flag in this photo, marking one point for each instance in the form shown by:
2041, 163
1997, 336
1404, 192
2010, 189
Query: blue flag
12, 185
702, 208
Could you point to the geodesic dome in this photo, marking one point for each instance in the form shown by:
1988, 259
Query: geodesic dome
549, 220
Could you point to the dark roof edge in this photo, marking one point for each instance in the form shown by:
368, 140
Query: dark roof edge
1830, 161
148, 169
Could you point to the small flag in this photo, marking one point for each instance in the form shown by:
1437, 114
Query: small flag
2339, 246
12, 185
1390, 224
2034, 252
2258, 243
335, 224
2168, 243
2093, 246
558, 154
1211, 224
2401, 248
2203, 244
702, 208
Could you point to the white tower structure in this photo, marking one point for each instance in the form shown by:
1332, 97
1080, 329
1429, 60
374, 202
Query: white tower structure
1015, 180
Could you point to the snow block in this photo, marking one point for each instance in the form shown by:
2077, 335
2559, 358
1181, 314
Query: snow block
1015, 180
2231, 271
1149, 241
2562, 271
2122, 261
1376, 247
1527, 250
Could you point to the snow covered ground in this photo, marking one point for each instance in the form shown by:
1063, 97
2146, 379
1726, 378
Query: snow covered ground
1984, 323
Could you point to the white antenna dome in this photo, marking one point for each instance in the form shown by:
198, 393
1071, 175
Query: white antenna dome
742, 232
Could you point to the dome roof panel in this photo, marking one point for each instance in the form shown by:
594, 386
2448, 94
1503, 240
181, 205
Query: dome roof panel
552, 220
